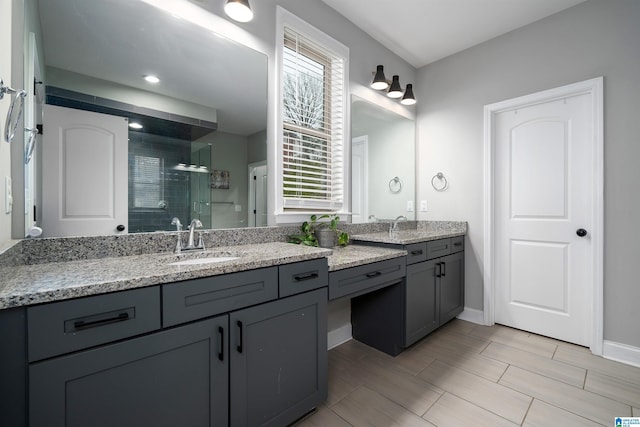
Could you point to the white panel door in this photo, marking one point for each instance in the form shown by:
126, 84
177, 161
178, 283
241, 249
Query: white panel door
543, 182
257, 195
359, 180
84, 173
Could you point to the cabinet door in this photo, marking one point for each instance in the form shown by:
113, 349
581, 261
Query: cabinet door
176, 377
451, 286
422, 296
278, 360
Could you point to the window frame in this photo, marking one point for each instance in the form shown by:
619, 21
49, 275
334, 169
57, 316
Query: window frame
283, 213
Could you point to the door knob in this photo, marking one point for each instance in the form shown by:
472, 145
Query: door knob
120, 227
581, 232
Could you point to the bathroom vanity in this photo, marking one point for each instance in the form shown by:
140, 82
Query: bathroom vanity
163, 339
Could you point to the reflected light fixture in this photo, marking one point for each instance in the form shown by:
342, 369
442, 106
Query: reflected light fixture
239, 10
395, 90
135, 125
408, 98
379, 80
150, 78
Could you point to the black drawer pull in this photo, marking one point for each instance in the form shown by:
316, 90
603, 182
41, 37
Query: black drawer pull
302, 278
221, 352
416, 252
457, 244
374, 274
239, 323
81, 324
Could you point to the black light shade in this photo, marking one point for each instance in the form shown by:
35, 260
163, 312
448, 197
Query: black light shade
408, 98
239, 10
379, 80
395, 91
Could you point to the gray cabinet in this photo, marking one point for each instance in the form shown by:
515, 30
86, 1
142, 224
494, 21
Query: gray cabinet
217, 351
434, 289
430, 294
278, 360
168, 378
422, 293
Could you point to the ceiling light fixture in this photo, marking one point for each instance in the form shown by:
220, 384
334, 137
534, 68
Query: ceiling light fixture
152, 79
239, 10
135, 125
379, 80
393, 88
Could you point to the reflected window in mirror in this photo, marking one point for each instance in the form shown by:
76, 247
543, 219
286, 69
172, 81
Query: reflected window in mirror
313, 88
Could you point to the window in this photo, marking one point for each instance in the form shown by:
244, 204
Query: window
312, 115
148, 185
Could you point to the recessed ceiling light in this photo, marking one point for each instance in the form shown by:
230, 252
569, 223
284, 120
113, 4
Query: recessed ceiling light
135, 125
152, 79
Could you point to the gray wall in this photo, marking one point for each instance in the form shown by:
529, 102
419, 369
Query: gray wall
596, 38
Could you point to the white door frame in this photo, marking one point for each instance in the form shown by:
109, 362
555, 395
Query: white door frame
364, 140
594, 88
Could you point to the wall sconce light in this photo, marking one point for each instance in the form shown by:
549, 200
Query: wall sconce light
379, 80
394, 89
239, 10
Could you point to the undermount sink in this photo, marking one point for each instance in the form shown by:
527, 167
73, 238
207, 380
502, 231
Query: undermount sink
209, 260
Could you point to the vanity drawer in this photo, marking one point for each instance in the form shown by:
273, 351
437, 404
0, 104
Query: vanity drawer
66, 326
359, 280
438, 248
416, 252
457, 244
199, 298
302, 276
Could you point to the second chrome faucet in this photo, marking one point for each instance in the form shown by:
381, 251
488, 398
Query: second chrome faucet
195, 223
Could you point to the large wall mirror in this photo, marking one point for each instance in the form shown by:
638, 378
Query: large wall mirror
383, 162
203, 134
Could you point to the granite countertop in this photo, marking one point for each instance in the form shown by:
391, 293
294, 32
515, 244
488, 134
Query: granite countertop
406, 237
355, 255
33, 284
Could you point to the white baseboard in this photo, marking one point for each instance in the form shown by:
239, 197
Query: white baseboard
472, 315
621, 353
339, 336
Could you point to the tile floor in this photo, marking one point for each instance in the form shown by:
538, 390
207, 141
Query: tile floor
466, 374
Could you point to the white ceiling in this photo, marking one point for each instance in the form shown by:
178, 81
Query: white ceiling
423, 31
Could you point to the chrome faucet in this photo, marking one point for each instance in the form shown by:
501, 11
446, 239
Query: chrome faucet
373, 217
195, 223
393, 226
175, 221
190, 245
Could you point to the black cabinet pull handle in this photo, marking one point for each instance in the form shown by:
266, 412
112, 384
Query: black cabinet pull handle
221, 352
417, 252
457, 244
240, 341
302, 278
443, 269
374, 274
81, 324
439, 269
581, 232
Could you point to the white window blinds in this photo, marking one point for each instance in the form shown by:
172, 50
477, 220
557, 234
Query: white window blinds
313, 92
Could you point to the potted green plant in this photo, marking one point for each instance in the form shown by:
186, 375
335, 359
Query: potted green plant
317, 232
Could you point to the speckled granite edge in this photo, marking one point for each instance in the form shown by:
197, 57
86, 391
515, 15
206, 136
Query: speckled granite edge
356, 255
65, 249
11, 254
41, 283
424, 232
